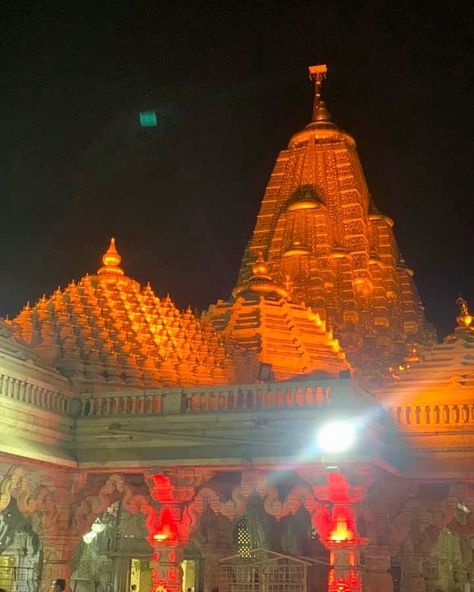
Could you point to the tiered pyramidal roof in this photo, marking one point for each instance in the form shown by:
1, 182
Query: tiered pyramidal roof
444, 375
109, 332
319, 231
288, 338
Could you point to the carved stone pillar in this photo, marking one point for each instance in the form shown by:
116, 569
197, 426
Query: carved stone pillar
377, 563
167, 574
58, 552
413, 578
172, 527
336, 524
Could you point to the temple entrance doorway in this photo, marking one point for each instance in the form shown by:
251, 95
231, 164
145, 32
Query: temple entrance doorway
192, 568
140, 575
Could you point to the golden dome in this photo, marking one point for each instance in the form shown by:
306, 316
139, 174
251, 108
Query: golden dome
260, 282
259, 268
108, 331
305, 198
296, 249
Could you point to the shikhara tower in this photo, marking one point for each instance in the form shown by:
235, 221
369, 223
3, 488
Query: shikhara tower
323, 238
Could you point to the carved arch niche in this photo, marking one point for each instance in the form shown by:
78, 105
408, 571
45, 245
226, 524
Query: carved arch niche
102, 492
108, 505
28, 509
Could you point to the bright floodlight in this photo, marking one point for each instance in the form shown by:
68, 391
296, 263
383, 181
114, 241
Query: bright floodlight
336, 436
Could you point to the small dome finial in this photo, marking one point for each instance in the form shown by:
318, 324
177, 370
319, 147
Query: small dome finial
260, 268
317, 74
465, 318
260, 282
111, 260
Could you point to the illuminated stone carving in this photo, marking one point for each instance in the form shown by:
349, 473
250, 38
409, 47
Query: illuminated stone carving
319, 229
107, 331
271, 329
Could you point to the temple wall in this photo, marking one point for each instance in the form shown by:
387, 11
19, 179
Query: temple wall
396, 534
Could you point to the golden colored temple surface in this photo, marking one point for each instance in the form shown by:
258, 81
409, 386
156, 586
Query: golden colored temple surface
290, 338
109, 332
318, 227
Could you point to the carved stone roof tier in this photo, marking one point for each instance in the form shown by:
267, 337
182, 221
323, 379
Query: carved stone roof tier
445, 374
318, 226
108, 332
287, 336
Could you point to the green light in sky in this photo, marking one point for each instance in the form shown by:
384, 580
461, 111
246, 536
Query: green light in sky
148, 119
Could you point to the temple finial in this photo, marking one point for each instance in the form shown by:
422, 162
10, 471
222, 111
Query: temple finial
259, 268
465, 318
317, 74
260, 281
111, 260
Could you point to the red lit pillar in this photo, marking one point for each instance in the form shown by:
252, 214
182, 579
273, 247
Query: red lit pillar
58, 550
170, 530
168, 543
336, 524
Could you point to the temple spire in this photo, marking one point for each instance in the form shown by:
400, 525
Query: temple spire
111, 260
317, 74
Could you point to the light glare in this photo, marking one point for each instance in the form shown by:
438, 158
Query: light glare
336, 436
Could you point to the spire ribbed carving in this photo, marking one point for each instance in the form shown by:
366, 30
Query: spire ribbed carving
319, 228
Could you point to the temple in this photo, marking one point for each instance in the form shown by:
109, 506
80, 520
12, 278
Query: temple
305, 434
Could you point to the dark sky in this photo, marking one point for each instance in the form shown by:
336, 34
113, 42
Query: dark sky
229, 84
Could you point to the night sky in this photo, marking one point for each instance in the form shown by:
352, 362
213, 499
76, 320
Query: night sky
229, 84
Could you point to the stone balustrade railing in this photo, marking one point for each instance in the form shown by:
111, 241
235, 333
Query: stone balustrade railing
208, 400
121, 404
33, 394
448, 414
251, 398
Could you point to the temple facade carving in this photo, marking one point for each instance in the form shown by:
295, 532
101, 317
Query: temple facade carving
143, 447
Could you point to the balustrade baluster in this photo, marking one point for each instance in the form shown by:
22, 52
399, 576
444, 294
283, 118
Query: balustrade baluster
221, 401
212, 401
455, 413
318, 395
407, 415
446, 417
417, 415
427, 414
279, 398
